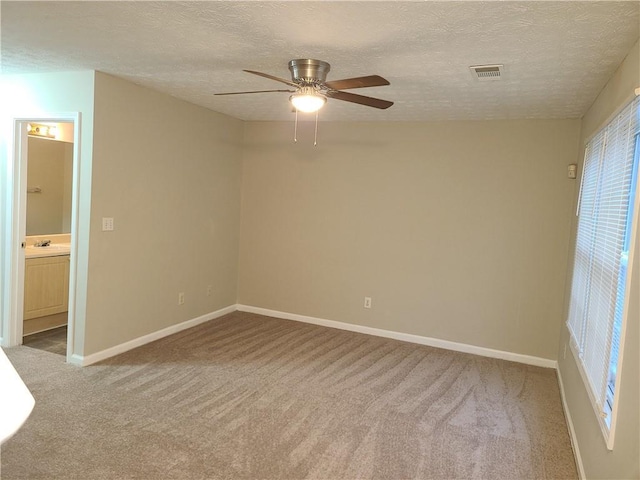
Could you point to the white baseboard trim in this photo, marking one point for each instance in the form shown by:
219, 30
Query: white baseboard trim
83, 361
572, 432
406, 337
75, 359
378, 332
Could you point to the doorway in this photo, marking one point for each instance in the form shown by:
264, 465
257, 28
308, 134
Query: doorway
48, 236
54, 239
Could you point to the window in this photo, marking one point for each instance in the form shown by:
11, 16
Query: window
603, 241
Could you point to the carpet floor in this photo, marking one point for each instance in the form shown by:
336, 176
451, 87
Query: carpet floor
248, 397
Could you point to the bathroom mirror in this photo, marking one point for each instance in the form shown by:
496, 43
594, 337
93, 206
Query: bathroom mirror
49, 186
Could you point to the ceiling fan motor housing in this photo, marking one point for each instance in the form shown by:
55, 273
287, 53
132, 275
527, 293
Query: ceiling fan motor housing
308, 70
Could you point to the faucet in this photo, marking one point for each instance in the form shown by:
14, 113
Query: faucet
42, 243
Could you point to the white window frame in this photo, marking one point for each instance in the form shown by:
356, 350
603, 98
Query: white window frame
601, 400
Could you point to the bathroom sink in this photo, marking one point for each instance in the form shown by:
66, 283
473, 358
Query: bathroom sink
55, 246
51, 250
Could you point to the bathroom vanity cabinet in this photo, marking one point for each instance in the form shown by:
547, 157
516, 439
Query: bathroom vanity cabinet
46, 285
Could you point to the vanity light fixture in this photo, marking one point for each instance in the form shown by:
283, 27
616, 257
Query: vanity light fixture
40, 130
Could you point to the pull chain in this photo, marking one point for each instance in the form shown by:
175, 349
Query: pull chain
295, 130
315, 138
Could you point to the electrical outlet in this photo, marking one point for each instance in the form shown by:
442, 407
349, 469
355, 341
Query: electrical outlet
181, 298
367, 302
209, 290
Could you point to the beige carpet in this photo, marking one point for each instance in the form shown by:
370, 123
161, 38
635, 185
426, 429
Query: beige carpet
247, 396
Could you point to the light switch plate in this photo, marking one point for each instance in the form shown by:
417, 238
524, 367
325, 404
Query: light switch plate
107, 224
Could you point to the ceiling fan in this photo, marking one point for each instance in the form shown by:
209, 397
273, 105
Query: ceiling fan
311, 89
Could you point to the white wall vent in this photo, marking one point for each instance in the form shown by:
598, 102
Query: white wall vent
487, 72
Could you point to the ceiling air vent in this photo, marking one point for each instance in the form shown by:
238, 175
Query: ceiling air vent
486, 72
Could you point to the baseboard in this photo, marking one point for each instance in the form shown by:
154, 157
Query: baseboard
406, 337
572, 432
378, 332
151, 337
75, 359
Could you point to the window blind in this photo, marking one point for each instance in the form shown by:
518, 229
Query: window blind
602, 242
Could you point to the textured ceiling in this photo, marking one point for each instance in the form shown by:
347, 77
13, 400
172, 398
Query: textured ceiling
557, 55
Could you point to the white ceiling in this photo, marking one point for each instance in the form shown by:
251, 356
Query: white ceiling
557, 55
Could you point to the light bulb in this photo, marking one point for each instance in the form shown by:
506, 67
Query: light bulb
308, 102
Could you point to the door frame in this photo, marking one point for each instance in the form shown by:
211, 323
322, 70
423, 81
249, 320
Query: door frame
14, 289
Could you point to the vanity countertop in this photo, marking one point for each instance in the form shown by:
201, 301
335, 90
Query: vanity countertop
53, 250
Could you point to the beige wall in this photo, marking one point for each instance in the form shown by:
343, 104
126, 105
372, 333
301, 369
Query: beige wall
457, 230
624, 460
49, 168
169, 174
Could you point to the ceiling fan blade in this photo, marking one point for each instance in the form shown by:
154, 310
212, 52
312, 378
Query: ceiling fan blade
358, 82
271, 77
255, 91
361, 99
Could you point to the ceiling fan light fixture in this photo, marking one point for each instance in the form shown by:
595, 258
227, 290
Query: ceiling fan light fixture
311, 90
308, 102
